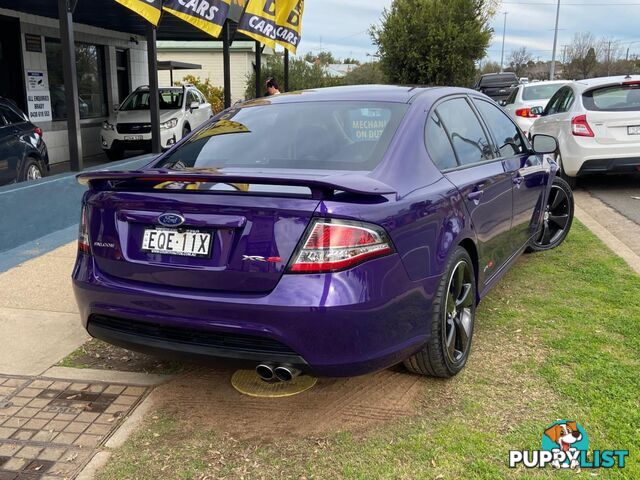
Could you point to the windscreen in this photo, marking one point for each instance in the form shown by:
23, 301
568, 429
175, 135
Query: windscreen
540, 92
169, 100
312, 135
616, 98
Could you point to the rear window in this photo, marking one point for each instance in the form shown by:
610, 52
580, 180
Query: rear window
617, 98
350, 136
499, 79
540, 92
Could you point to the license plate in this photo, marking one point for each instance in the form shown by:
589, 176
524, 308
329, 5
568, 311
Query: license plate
133, 137
633, 130
186, 243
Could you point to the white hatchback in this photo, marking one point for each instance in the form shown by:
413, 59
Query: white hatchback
182, 109
520, 105
597, 125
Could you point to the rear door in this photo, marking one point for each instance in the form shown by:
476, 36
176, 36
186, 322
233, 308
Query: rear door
614, 113
11, 149
556, 115
529, 173
482, 180
6, 139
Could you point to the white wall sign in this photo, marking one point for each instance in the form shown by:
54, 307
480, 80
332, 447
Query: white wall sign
38, 96
39, 104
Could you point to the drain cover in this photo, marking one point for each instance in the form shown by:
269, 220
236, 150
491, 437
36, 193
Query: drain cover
249, 383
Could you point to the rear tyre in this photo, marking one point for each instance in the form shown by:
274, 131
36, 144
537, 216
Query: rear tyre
115, 154
571, 181
557, 220
32, 170
452, 321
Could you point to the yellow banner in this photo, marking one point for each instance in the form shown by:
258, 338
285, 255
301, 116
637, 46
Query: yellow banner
259, 21
207, 15
150, 10
289, 23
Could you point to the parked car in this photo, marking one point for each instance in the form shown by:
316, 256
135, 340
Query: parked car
498, 86
597, 125
182, 109
287, 234
23, 153
525, 97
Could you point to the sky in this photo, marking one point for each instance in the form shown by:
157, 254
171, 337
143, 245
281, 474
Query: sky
341, 26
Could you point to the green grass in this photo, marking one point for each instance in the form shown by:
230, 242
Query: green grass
558, 338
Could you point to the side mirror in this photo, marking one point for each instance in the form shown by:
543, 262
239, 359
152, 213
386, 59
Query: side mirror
194, 106
502, 103
538, 111
544, 144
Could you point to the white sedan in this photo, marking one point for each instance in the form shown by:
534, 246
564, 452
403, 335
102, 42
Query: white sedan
597, 125
526, 97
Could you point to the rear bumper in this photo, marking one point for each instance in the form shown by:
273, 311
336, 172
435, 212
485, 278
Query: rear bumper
610, 165
584, 155
343, 324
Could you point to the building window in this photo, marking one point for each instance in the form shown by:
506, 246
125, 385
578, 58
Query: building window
92, 90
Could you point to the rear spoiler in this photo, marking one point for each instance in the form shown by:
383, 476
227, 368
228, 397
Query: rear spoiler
320, 186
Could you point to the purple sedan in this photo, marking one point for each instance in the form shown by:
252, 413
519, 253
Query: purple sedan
335, 232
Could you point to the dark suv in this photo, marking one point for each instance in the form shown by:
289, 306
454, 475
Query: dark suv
23, 153
498, 86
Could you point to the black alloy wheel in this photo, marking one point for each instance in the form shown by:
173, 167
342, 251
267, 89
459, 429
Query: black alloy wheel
557, 218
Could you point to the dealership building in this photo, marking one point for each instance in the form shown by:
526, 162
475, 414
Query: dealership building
111, 60
109, 65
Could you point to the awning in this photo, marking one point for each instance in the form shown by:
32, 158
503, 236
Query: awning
110, 15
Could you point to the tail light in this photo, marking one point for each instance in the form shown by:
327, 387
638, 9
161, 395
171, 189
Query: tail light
526, 113
580, 127
83, 234
38, 131
333, 245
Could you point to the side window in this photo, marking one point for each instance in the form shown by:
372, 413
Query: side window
511, 99
554, 103
566, 102
467, 136
506, 134
201, 97
11, 117
438, 144
191, 97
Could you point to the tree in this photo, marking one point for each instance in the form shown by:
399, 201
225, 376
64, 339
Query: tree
582, 56
323, 58
519, 61
433, 41
302, 75
367, 73
213, 94
350, 61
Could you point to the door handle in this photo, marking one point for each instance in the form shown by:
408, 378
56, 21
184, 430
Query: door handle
475, 196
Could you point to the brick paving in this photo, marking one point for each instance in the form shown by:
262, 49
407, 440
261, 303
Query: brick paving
50, 428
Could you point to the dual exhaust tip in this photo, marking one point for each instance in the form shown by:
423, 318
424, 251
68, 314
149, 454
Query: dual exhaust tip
281, 373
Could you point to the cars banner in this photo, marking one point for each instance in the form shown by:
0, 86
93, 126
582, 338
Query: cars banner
150, 10
259, 21
289, 23
206, 15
